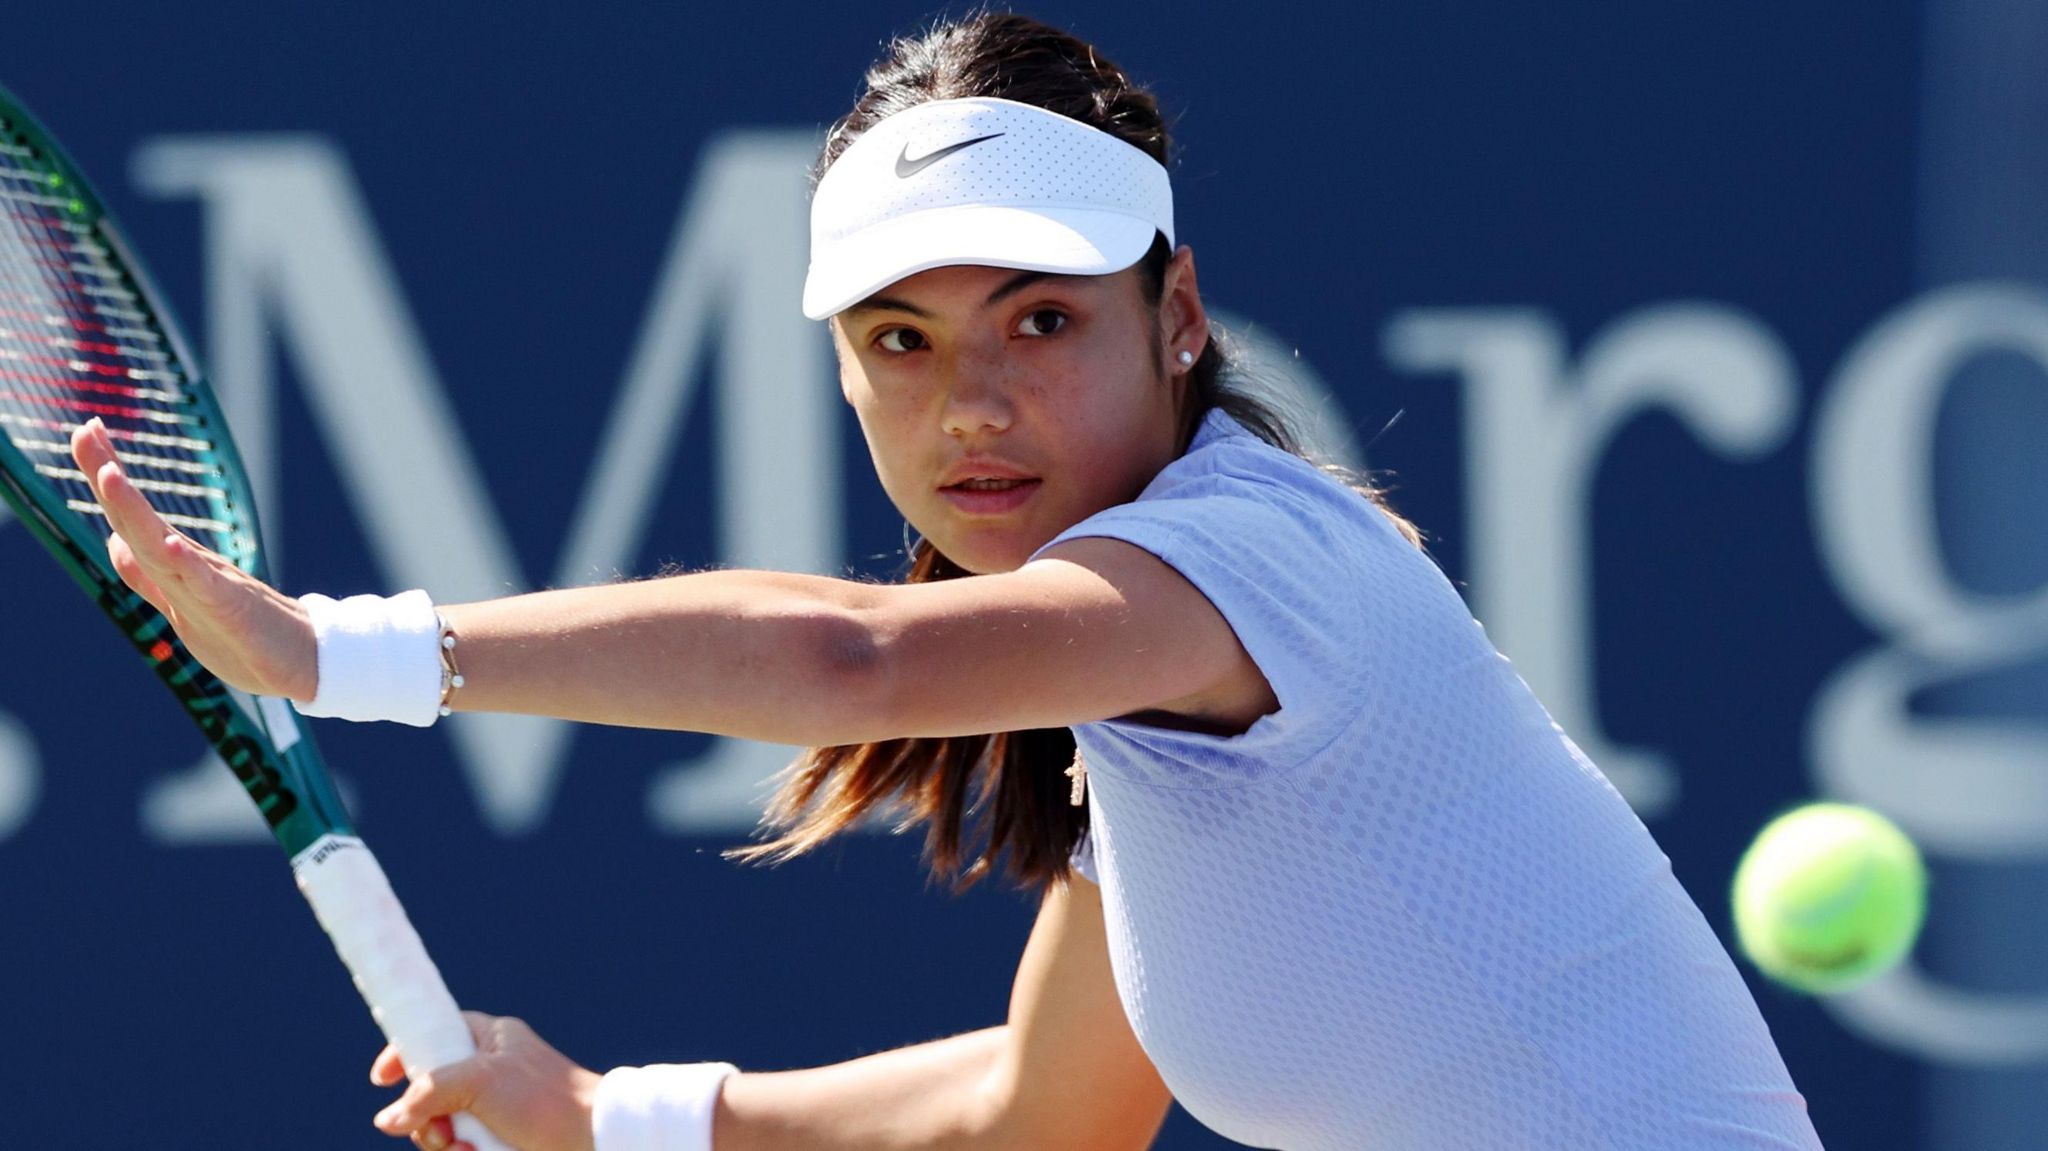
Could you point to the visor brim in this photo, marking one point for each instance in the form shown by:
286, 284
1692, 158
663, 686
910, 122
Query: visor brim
1070, 241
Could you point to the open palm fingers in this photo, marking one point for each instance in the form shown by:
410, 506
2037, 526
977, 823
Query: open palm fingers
131, 573
144, 545
242, 630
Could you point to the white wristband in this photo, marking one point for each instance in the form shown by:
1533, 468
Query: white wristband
663, 1107
378, 658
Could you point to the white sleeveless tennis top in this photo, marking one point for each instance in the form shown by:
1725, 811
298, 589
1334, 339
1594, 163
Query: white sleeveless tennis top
1403, 912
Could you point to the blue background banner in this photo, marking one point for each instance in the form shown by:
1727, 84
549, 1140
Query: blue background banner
1707, 341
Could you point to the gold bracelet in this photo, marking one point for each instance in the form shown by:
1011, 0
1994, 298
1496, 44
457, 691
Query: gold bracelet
451, 676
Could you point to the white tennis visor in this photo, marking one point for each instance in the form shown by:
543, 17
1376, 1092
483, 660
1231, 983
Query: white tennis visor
980, 181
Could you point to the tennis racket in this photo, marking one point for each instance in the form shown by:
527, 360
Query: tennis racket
83, 334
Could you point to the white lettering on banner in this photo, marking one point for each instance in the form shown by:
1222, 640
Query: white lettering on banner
293, 255
1971, 787
1536, 430
291, 245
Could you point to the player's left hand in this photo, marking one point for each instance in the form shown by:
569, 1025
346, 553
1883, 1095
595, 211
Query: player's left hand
243, 630
528, 1094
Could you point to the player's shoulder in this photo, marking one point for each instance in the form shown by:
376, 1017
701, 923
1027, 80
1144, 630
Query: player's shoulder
1236, 472
1235, 498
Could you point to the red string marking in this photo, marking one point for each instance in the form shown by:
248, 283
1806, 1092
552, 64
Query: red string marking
80, 406
61, 342
93, 366
122, 390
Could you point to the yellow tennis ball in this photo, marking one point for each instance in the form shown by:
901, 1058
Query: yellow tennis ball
1829, 895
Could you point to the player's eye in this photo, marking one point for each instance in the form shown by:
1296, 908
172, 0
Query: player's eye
1043, 322
900, 340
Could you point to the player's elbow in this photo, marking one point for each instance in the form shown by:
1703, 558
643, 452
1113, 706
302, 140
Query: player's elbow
897, 672
849, 679
864, 686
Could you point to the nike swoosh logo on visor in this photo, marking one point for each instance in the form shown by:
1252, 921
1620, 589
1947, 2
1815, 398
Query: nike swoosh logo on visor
907, 167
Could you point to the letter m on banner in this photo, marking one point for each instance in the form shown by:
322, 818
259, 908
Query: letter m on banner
293, 260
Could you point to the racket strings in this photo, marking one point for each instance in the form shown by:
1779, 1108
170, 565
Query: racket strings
77, 341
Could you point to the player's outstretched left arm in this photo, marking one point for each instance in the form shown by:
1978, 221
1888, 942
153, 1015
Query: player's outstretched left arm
1097, 628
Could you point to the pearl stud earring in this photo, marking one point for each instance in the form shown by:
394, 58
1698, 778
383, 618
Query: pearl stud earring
1186, 358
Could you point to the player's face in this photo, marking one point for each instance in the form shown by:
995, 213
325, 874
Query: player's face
1002, 407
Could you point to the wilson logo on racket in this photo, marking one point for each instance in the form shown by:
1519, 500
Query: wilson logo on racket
208, 704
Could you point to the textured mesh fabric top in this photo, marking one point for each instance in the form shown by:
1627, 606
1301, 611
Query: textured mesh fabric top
1402, 912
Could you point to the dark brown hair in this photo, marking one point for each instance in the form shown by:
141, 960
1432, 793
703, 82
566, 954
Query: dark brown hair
994, 802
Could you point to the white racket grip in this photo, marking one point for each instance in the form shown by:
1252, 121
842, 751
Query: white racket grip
360, 913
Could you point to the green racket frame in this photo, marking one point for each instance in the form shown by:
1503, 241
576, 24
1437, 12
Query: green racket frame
263, 741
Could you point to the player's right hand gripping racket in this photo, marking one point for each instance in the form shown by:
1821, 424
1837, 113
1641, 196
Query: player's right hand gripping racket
83, 334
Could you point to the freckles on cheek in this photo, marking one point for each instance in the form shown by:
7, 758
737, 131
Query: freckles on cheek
892, 445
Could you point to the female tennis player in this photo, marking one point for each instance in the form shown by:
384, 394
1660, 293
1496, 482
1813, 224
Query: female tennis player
1323, 869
